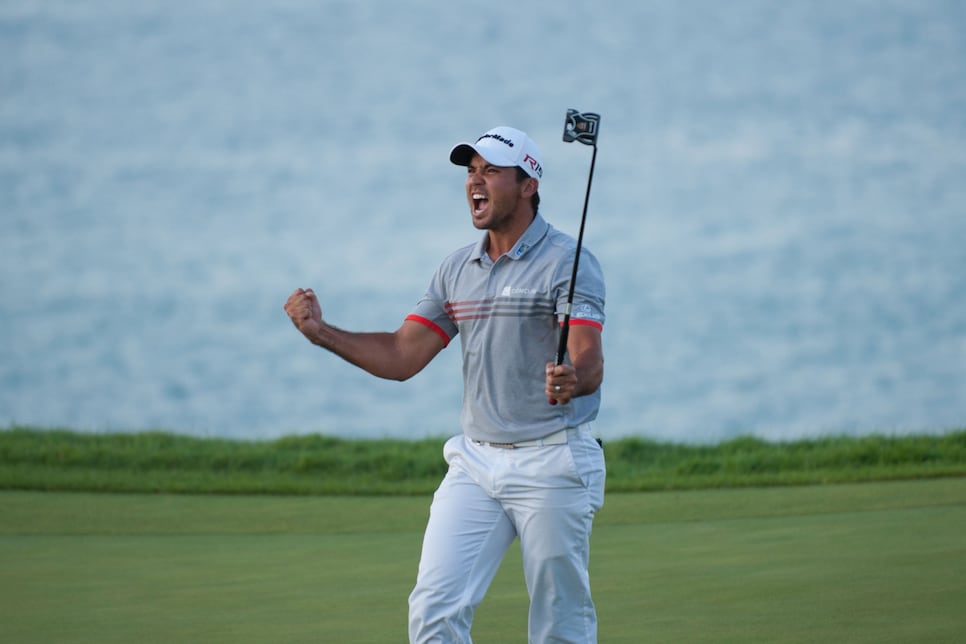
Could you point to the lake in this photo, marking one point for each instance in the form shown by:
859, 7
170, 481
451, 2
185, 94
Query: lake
778, 205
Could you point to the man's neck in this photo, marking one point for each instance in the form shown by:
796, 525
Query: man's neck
499, 242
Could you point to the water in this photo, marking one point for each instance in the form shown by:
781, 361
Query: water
778, 204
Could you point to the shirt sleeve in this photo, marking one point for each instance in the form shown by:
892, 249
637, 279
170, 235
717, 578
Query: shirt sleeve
431, 310
589, 292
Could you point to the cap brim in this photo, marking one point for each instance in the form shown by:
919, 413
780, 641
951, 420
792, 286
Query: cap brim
462, 154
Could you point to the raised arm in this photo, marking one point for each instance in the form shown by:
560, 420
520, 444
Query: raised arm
395, 356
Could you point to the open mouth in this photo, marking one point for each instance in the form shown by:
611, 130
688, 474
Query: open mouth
479, 202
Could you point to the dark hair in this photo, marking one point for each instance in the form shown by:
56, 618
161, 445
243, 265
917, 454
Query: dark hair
535, 199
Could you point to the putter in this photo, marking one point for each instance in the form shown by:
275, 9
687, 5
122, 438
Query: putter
582, 127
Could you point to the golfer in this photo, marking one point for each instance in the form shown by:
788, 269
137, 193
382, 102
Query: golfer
525, 465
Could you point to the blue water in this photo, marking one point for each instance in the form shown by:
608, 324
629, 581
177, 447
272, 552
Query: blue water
779, 206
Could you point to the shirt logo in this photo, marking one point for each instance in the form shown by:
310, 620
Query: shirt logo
586, 312
509, 291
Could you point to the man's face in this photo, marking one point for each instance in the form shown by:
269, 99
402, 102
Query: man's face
494, 194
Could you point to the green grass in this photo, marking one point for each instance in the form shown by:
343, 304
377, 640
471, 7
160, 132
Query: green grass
734, 542
873, 562
35, 459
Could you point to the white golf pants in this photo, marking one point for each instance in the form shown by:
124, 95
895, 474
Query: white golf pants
546, 496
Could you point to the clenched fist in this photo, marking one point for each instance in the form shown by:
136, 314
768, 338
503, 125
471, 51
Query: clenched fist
303, 309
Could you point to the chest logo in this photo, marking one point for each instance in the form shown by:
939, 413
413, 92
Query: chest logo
510, 291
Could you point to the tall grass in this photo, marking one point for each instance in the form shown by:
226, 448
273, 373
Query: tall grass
639, 464
38, 459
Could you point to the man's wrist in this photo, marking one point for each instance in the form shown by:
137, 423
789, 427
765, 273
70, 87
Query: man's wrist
321, 335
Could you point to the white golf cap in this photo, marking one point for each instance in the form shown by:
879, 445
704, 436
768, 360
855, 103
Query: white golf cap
504, 147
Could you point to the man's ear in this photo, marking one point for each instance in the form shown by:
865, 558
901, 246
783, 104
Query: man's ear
530, 186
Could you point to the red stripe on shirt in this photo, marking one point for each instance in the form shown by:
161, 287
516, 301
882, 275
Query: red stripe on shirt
581, 321
432, 325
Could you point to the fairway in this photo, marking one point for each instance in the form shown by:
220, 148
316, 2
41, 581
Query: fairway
876, 562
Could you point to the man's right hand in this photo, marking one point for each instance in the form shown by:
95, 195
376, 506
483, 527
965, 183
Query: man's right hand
303, 309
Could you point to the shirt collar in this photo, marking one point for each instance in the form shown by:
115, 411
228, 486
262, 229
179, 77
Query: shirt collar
536, 231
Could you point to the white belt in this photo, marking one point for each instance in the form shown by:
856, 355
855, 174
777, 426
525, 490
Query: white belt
557, 438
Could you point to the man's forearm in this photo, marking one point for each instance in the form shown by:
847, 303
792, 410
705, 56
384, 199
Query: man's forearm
374, 352
589, 377
395, 356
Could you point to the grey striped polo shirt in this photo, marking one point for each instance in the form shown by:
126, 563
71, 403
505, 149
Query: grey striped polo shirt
507, 314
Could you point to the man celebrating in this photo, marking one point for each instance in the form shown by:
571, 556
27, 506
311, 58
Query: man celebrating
521, 467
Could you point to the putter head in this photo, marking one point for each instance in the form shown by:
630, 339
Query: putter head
581, 126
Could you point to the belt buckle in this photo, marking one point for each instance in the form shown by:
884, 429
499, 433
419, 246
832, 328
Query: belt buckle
502, 445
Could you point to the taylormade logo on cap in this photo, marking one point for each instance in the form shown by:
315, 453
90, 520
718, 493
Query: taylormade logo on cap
504, 147
498, 137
